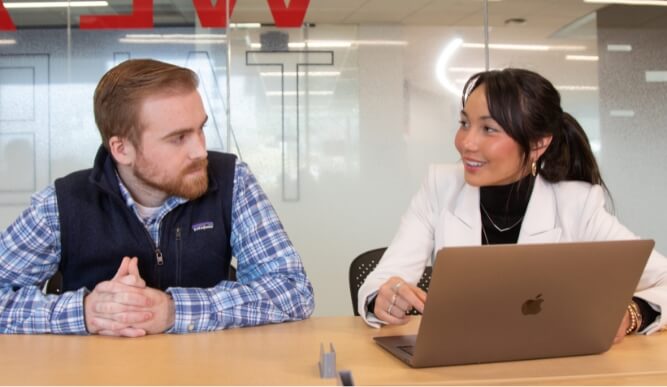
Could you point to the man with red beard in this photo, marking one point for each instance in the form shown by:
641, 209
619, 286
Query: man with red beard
145, 238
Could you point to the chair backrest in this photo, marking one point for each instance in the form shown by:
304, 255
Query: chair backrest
362, 265
54, 285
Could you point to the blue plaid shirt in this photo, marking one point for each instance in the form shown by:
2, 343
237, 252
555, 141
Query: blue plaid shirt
272, 285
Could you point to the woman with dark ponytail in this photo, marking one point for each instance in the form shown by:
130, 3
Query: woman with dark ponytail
528, 175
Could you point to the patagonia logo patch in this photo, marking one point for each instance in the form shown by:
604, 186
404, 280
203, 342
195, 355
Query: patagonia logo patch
202, 226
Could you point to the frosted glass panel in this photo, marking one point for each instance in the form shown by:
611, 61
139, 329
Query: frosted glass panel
24, 126
340, 134
47, 93
633, 119
339, 119
17, 94
17, 162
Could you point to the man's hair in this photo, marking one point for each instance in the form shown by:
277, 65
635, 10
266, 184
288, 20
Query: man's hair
121, 91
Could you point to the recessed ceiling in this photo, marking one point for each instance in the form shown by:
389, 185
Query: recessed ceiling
549, 15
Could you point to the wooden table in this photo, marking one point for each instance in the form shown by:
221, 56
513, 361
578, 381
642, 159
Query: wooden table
287, 354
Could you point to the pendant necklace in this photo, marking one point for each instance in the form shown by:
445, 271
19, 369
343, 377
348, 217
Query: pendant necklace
500, 229
486, 238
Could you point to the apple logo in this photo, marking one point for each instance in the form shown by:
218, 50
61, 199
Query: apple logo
532, 306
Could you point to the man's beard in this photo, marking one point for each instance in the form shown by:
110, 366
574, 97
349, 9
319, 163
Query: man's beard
191, 183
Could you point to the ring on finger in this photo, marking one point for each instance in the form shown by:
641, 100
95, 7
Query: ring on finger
389, 309
395, 286
393, 299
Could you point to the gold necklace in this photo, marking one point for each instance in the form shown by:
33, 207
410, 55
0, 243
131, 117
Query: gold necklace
500, 229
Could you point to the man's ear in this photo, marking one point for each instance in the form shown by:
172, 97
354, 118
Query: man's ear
122, 150
540, 147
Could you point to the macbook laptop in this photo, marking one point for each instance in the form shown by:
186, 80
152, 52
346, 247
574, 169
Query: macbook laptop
511, 302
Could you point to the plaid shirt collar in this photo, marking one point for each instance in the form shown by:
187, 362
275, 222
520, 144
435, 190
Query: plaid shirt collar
168, 205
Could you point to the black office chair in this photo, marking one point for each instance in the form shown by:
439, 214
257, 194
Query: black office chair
54, 285
362, 265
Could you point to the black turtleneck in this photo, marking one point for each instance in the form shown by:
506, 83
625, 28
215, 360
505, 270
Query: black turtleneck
502, 208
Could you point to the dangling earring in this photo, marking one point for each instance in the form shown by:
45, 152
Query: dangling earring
533, 169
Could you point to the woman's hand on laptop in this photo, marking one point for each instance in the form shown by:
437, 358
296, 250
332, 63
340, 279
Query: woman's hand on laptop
396, 298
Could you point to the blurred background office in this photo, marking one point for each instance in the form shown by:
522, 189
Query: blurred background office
340, 116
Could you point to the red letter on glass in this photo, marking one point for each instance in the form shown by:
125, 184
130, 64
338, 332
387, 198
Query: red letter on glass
213, 15
6, 23
291, 16
141, 17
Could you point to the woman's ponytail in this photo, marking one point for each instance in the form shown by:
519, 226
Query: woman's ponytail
570, 157
528, 108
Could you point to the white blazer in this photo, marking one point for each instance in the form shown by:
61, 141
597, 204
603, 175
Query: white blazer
445, 212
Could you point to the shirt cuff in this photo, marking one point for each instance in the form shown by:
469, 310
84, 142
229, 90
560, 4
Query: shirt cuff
650, 311
67, 315
192, 307
369, 316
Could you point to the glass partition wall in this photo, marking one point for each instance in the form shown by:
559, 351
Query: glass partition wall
340, 116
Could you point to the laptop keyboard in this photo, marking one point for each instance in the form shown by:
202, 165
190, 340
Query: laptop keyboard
409, 349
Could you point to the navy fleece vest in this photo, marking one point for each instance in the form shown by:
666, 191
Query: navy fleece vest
97, 230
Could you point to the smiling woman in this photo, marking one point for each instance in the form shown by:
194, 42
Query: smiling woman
490, 156
524, 108
527, 169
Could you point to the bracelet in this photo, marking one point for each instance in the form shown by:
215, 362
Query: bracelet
638, 315
635, 318
633, 321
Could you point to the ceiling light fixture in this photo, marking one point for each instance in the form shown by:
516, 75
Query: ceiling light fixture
441, 66
629, 2
310, 44
576, 88
325, 44
589, 58
619, 47
174, 39
525, 47
293, 93
55, 4
245, 25
380, 42
337, 43
656, 76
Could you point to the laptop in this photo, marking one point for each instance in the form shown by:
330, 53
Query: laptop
514, 302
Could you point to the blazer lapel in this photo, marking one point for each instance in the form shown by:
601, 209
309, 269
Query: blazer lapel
540, 223
463, 225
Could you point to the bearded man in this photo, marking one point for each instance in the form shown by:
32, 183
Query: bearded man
144, 239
